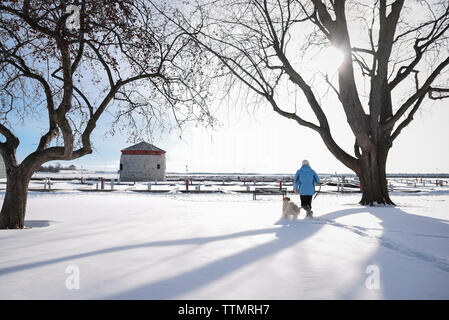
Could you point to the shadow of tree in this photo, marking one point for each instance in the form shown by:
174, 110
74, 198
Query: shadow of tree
408, 270
37, 223
194, 241
287, 235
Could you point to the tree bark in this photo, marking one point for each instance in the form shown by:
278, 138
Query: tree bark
12, 215
373, 178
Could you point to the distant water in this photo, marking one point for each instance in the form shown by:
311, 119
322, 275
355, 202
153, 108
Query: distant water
67, 174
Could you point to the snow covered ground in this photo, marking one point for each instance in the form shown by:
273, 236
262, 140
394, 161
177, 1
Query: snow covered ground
129, 245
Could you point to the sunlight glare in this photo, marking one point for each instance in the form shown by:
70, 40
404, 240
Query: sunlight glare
329, 60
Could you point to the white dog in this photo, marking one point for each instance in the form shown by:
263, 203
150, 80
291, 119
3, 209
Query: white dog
289, 209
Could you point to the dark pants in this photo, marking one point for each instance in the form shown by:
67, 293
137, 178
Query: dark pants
306, 201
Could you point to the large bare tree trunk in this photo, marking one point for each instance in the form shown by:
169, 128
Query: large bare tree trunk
373, 178
12, 215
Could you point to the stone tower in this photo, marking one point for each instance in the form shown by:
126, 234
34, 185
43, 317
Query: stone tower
142, 162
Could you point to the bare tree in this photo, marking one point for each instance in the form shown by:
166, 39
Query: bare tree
122, 57
399, 51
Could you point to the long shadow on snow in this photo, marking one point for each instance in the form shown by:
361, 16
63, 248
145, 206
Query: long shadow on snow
407, 269
194, 241
289, 234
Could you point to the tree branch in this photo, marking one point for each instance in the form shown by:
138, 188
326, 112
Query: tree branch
438, 90
420, 92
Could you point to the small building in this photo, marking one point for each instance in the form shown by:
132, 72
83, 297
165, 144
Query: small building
142, 162
2, 169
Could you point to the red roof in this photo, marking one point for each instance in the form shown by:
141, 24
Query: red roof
143, 148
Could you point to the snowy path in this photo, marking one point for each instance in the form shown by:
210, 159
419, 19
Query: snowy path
225, 246
395, 246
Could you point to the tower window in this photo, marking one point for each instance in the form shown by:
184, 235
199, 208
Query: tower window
158, 166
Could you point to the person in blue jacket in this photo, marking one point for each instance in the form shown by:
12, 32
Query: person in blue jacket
304, 184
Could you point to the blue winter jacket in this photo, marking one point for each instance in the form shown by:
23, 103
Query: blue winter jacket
305, 180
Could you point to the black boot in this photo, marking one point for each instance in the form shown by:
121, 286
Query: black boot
309, 211
310, 214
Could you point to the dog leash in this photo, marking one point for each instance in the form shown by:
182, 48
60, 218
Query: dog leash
316, 194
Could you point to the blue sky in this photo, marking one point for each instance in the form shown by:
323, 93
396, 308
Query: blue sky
264, 142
